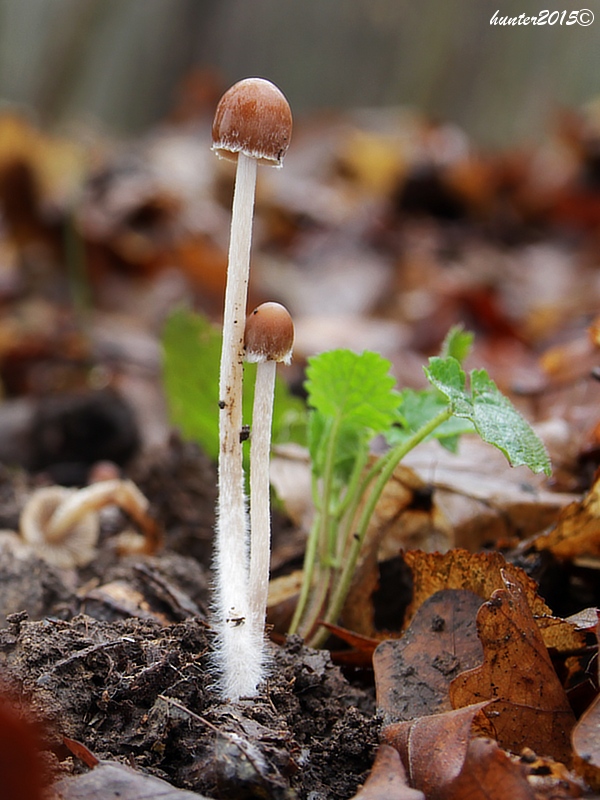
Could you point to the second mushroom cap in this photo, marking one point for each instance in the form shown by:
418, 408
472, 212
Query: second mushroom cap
269, 334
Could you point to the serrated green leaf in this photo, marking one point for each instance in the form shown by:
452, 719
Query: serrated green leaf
457, 344
416, 409
498, 422
448, 376
357, 389
495, 418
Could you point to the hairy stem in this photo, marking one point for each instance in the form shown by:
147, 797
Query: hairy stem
260, 506
238, 655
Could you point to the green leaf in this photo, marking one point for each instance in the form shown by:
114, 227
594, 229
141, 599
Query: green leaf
495, 418
448, 376
357, 389
498, 422
416, 409
191, 355
457, 344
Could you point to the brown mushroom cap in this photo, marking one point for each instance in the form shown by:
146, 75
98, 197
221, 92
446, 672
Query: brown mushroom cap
253, 117
269, 334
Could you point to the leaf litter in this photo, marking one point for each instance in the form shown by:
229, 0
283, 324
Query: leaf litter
475, 665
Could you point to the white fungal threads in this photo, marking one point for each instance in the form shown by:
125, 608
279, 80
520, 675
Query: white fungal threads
252, 125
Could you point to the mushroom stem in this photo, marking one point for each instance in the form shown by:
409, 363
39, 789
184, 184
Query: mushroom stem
260, 507
269, 339
252, 124
235, 652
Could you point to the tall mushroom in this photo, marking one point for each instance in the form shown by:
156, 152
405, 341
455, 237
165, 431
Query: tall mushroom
252, 125
269, 340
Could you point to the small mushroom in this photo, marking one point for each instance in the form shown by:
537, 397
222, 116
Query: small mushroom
73, 547
252, 124
269, 339
62, 525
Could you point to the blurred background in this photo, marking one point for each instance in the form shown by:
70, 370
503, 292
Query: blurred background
443, 170
121, 64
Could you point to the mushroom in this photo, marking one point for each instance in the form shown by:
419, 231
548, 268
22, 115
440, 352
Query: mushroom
74, 546
62, 525
269, 339
252, 125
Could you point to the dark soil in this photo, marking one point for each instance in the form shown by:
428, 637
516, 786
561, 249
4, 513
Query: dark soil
118, 659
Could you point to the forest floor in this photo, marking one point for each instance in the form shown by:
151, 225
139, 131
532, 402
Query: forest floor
381, 232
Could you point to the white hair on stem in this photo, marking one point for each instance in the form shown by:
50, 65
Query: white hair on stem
238, 660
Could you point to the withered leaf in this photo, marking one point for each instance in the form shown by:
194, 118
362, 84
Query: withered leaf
434, 748
481, 573
577, 531
412, 674
387, 780
586, 742
531, 705
117, 780
489, 774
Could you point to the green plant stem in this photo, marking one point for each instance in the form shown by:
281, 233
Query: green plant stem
385, 468
308, 568
319, 536
327, 534
322, 529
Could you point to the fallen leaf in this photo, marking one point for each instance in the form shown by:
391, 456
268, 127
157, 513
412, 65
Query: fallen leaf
80, 751
586, 743
387, 780
481, 573
362, 647
489, 773
481, 496
434, 748
413, 674
549, 779
117, 780
531, 705
21, 766
577, 531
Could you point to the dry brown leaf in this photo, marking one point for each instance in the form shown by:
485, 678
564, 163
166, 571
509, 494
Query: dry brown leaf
412, 674
482, 497
489, 774
531, 706
550, 780
586, 743
387, 780
481, 573
117, 780
434, 748
23, 772
577, 531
